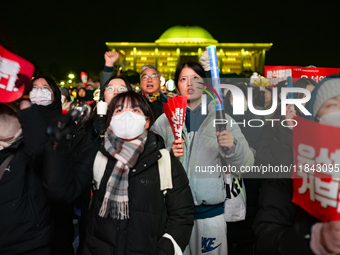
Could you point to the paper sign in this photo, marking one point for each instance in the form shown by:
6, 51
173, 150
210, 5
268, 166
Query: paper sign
316, 176
175, 111
275, 74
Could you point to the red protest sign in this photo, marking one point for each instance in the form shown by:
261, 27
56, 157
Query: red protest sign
175, 111
83, 77
10, 66
275, 74
316, 177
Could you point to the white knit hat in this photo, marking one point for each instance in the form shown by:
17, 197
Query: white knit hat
329, 89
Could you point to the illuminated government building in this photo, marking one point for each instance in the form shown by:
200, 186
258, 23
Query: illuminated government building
179, 44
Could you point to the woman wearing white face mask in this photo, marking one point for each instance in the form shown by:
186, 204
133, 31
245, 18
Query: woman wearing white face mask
129, 213
26, 227
11, 131
46, 94
326, 102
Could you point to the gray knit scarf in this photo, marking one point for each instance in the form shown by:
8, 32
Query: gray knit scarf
116, 200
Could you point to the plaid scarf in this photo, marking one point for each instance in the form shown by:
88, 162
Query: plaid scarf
116, 200
152, 98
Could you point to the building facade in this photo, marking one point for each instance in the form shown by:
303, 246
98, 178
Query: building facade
182, 43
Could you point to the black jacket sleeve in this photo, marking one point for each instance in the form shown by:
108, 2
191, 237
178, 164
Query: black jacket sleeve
66, 178
105, 75
180, 206
277, 227
33, 127
274, 148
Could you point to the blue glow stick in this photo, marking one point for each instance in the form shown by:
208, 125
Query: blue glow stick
215, 75
290, 85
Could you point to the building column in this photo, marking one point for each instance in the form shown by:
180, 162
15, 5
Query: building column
258, 62
262, 61
253, 59
221, 60
156, 58
242, 60
134, 59
178, 53
199, 54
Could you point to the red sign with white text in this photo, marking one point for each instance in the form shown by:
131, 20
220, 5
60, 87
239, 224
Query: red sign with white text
275, 74
316, 179
10, 66
175, 111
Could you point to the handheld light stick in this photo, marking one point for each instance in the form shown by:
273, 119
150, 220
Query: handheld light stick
215, 77
290, 85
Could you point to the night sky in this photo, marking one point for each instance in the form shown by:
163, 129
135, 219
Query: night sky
66, 36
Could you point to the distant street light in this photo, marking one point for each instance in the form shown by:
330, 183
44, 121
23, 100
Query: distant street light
71, 76
62, 83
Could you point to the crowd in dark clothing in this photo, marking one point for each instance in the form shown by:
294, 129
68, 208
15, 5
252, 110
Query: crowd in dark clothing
111, 167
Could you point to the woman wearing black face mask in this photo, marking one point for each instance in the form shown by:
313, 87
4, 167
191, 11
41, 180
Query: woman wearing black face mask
129, 213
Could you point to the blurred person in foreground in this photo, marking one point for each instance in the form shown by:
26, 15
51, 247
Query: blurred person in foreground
25, 220
282, 227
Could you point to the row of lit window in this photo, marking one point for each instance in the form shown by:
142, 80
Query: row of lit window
229, 70
145, 63
168, 64
167, 69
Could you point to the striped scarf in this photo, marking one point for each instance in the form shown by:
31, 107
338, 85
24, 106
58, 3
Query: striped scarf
116, 200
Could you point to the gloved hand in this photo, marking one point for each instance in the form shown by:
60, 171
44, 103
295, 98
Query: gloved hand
24, 80
62, 130
204, 60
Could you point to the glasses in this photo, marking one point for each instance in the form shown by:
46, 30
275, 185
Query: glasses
153, 76
110, 90
43, 89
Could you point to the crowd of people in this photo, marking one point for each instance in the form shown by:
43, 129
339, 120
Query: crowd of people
137, 186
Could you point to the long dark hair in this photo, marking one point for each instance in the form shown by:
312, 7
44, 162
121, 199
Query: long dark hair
136, 100
102, 89
191, 64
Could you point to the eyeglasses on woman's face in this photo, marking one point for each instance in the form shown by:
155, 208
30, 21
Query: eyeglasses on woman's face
111, 90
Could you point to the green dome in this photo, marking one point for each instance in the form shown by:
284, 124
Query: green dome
181, 34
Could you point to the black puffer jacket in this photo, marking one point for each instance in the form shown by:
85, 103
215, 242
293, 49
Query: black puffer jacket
151, 214
62, 213
280, 226
24, 209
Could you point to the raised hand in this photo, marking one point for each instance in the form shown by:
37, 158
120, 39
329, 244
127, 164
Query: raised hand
110, 57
